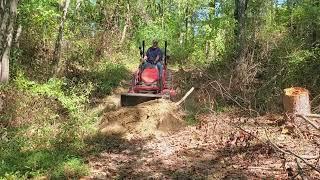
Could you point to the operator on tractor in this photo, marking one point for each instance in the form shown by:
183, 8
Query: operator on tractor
153, 57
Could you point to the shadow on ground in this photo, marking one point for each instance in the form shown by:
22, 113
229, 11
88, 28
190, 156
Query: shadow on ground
123, 159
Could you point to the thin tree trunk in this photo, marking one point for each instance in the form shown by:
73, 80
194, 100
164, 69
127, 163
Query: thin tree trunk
212, 24
57, 50
162, 14
4, 25
126, 26
78, 4
17, 36
117, 16
290, 5
186, 24
9, 13
314, 25
2, 4
212, 12
207, 49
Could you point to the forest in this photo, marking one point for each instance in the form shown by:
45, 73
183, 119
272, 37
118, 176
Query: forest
246, 72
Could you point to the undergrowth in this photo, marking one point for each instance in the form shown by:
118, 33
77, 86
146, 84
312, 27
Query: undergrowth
44, 127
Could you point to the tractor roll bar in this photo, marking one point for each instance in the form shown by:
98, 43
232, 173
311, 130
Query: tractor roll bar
165, 52
143, 46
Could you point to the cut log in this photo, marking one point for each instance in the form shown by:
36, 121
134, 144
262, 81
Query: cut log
185, 96
296, 101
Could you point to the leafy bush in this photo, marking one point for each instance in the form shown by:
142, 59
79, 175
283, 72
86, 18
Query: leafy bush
45, 131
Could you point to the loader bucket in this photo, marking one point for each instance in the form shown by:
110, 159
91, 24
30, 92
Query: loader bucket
132, 99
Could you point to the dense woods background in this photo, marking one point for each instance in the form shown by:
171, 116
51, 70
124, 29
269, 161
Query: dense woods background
64, 56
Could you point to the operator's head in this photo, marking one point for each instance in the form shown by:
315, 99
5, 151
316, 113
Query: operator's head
155, 43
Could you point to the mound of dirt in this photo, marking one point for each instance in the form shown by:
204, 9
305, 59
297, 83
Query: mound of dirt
150, 118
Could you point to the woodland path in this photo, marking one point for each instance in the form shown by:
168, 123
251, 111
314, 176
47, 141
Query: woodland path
221, 146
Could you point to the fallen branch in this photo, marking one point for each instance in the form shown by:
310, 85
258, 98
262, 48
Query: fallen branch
301, 173
312, 115
185, 96
308, 121
291, 153
265, 168
277, 148
310, 157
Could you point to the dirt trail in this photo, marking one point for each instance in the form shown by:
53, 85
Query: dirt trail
214, 149
150, 141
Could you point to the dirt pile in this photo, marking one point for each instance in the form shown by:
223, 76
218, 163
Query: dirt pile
150, 118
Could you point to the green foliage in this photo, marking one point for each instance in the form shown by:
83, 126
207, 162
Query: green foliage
191, 120
56, 164
39, 17
50, 130
107, 77
73, 167
48, 119
54, 89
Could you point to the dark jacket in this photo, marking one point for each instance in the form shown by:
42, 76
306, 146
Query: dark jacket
152, 54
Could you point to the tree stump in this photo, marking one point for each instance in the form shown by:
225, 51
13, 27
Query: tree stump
296, 101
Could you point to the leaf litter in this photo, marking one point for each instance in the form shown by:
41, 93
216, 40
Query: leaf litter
213, 149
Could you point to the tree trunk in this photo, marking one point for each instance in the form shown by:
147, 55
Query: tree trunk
57, 50
315, 26
18, 34
78, 3
8, 13
186, 23
240, 17
117, 15
207, 49
127, 24
212, 12
240, 41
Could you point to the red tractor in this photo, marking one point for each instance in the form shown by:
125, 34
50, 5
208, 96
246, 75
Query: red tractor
147, 85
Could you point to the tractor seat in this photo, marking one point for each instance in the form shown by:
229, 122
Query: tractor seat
150, 75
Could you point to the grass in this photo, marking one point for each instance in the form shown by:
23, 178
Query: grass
45, 126
38, 140
191, 120
53, 163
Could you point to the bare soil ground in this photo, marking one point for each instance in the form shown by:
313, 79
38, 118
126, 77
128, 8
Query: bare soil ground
220, 146
150, 118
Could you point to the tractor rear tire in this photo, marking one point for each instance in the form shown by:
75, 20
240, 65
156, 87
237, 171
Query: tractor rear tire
169, 80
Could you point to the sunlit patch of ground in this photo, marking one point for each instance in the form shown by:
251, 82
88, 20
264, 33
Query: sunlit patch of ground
214, 149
